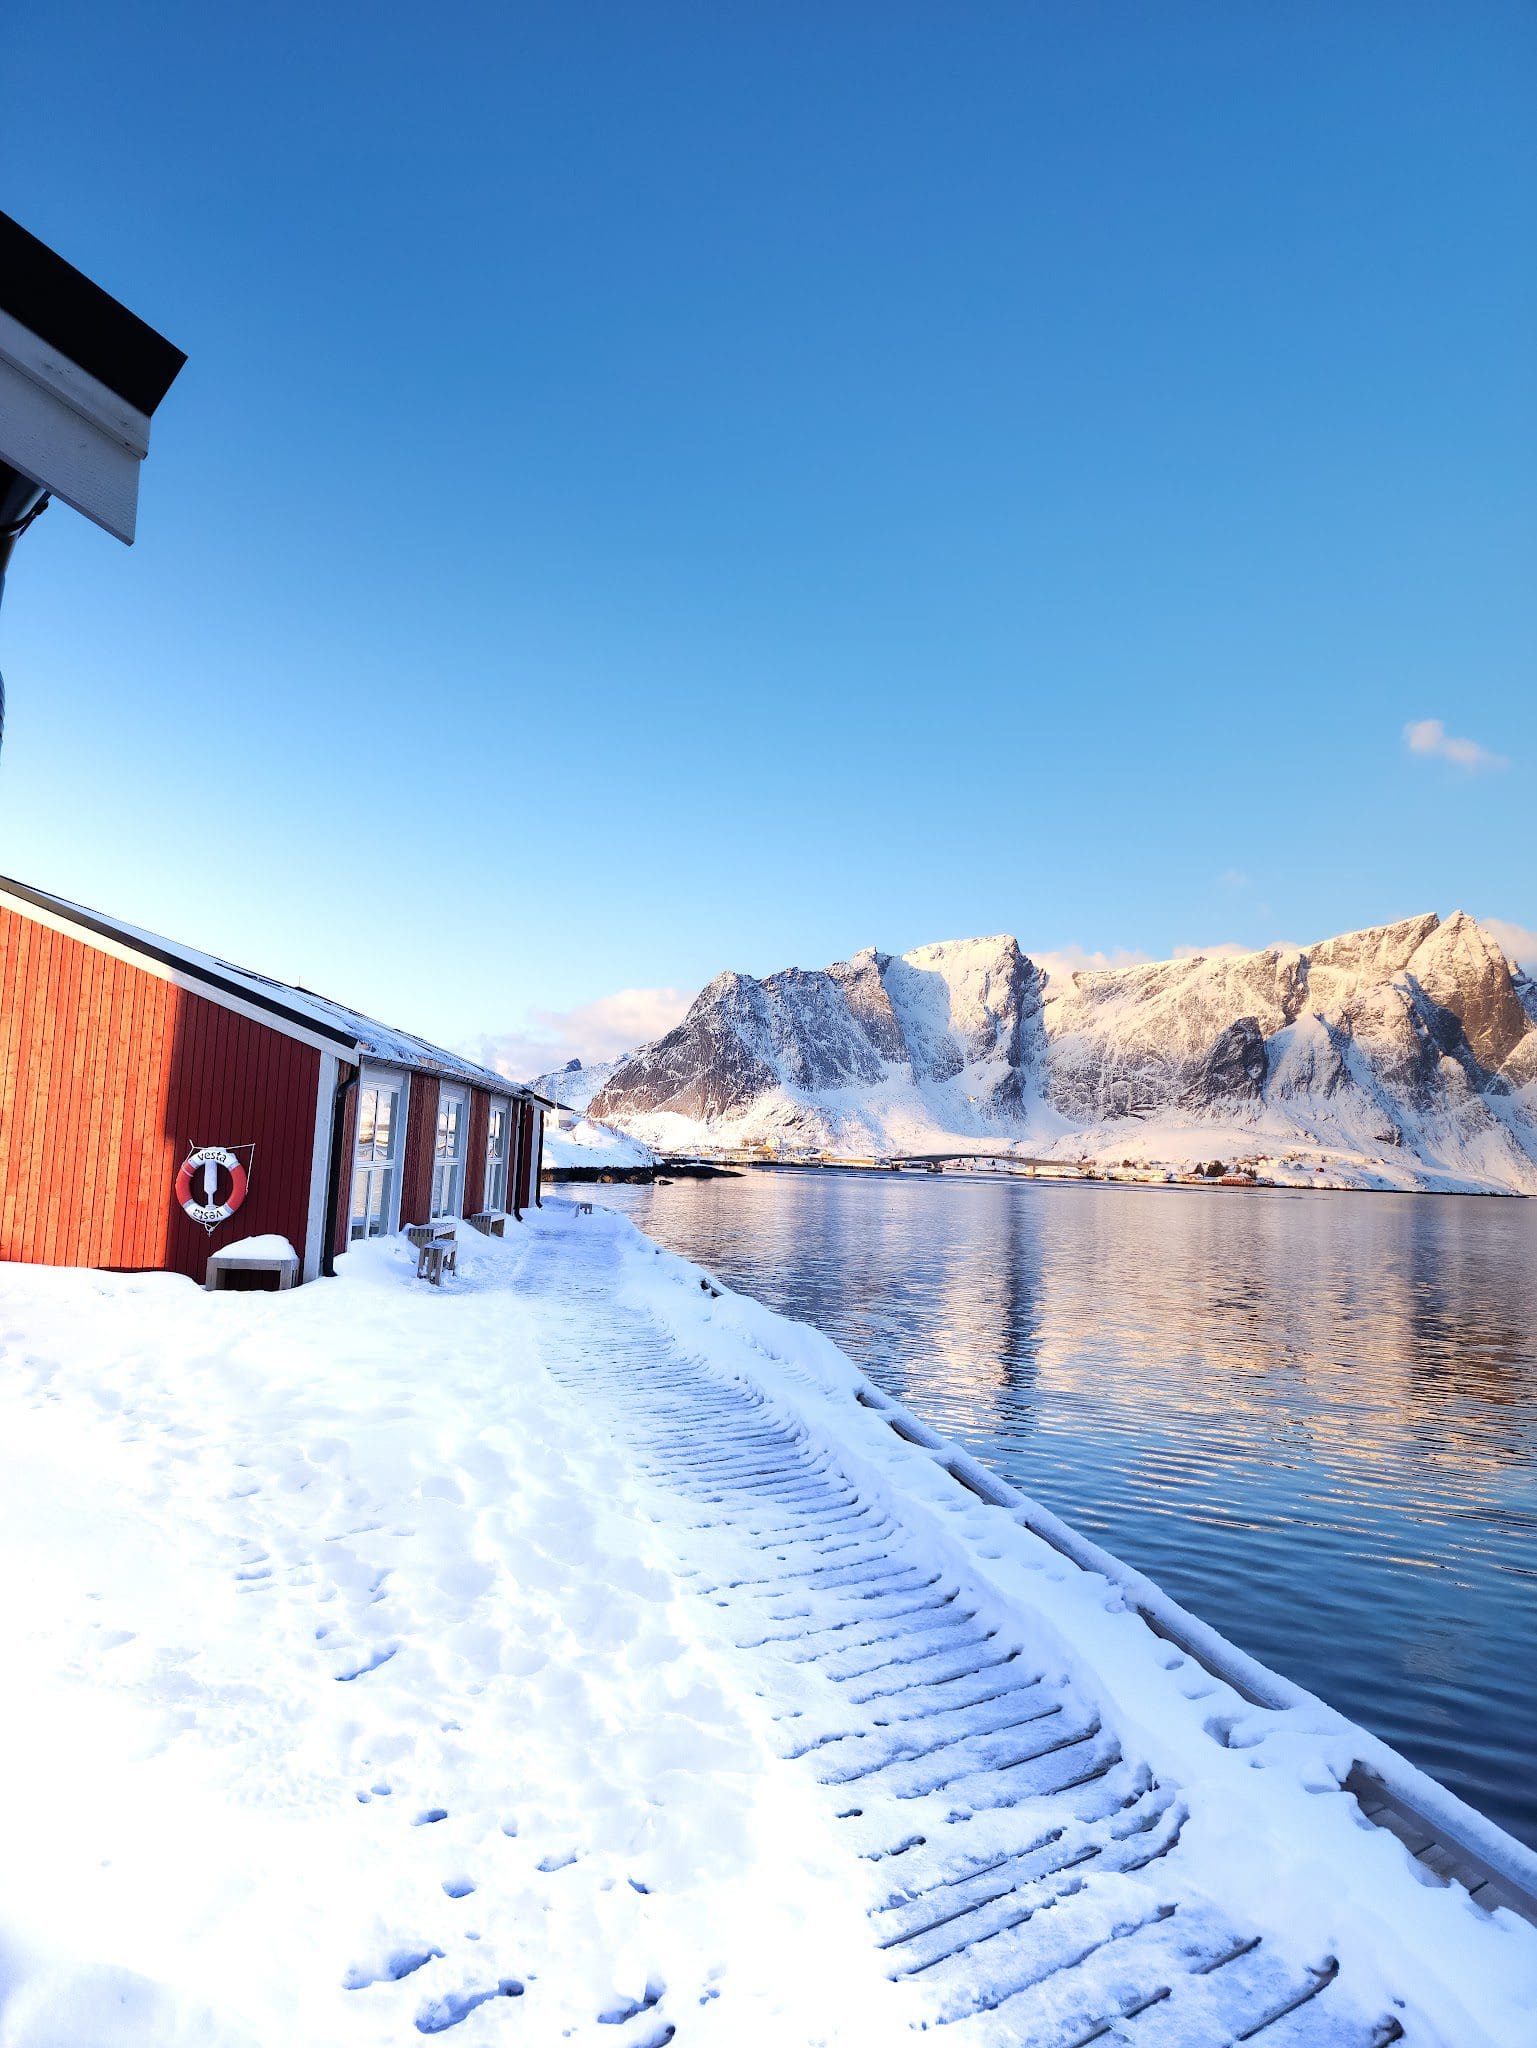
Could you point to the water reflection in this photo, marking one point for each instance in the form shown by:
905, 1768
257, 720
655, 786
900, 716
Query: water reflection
1312, 1417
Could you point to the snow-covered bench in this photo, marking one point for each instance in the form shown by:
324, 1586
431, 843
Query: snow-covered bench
269, 1254
437, 1252
490, 1222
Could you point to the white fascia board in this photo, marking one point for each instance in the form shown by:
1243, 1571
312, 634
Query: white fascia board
370, 1063
97, 403
117, 949
68, 432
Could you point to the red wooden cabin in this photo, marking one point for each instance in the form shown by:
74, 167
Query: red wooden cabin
122, 1053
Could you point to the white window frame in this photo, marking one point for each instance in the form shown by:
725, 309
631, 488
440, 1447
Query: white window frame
498, 1162
448, 1166
393, 1081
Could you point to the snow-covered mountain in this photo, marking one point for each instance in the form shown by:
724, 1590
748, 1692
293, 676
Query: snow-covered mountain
1401, 1056
574, 1085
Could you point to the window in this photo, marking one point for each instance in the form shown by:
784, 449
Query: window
377, 1163
448, 1155
496, 1156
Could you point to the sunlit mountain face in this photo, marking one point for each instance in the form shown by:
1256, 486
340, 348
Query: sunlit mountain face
1402, 1056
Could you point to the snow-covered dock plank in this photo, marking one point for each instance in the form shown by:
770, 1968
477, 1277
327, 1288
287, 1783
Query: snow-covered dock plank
1035, 1889
581, 1654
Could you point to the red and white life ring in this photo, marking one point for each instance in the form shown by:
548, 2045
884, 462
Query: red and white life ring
222, 1181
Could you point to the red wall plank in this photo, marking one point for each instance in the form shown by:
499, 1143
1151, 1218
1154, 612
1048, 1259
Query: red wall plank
475, 1152
108, 1075
416, 1166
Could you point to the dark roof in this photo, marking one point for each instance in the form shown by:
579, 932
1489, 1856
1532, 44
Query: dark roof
64, 308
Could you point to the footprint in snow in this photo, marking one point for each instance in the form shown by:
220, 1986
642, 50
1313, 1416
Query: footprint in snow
401, 1964
444, 2013
626, 2008
371, 1663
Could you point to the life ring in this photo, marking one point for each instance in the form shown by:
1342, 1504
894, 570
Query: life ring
206, 1163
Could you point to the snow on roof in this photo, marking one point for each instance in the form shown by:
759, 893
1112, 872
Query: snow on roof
356, 1035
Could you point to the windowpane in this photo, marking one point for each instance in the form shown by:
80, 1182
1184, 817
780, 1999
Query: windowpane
449, 1108
368, 1100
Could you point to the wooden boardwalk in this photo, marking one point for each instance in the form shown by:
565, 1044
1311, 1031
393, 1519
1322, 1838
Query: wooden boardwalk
1025, 1873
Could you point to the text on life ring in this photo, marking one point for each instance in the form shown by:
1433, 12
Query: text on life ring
211, 1184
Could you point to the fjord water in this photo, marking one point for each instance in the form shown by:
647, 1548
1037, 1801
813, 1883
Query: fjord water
1311, 1417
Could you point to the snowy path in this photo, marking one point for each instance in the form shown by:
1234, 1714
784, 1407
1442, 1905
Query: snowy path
574, 1655
1027, 1871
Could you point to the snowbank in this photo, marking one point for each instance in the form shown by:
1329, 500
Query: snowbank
575, 1086
590, 1144
344, 1689
342, 1643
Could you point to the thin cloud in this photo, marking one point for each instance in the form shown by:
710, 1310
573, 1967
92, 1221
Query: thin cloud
1079, 960
1515, 941
1430, 736
589, 1032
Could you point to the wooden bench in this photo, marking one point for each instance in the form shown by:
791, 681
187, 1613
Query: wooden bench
490, 1222
437, 1252
234, 1262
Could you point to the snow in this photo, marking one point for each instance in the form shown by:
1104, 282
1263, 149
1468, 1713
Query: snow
573, 1087
289, 1575
593, 1144
359, 1685
246, 1251
1402, 1057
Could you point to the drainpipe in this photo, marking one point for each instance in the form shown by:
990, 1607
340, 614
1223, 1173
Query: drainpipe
334, 1191
538, 1157
517, 1163
21, 500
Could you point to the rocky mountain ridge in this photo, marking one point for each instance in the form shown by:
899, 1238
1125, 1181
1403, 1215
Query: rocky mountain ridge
1403, 1055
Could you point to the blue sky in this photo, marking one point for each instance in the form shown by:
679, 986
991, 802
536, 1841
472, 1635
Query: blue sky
658, 488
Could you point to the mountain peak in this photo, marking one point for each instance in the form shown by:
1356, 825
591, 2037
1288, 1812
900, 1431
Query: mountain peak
1380, 949
1403, 1054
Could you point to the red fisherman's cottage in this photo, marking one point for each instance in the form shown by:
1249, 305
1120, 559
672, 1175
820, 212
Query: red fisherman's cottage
157, 1105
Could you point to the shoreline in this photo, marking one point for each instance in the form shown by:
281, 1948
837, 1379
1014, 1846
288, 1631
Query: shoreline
637, 1176
693, 1169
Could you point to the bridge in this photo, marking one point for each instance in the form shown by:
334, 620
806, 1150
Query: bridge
933, 1162
939, 1160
